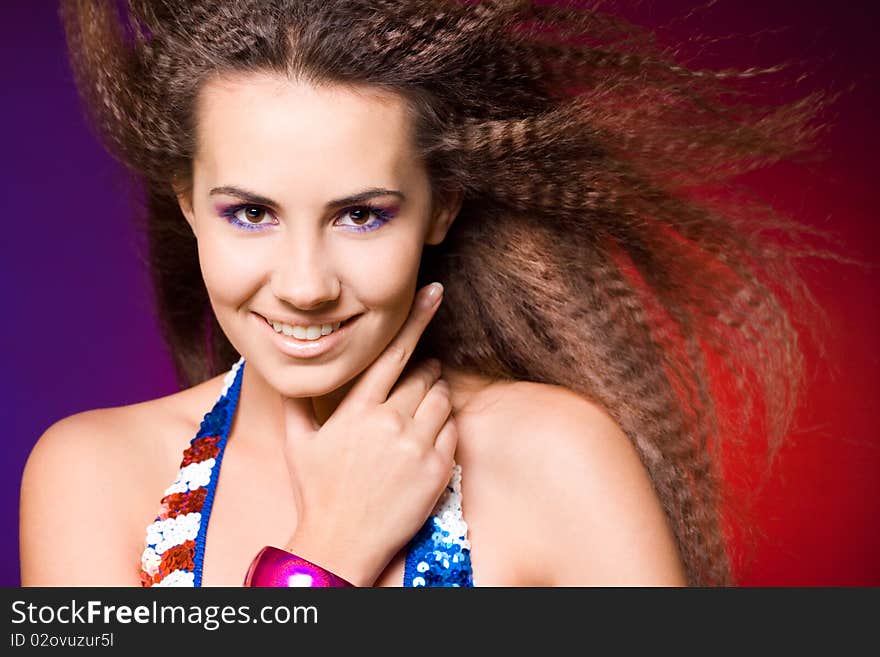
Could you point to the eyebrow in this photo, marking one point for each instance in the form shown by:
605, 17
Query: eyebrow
257, 199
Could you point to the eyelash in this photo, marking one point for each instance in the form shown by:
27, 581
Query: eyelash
383, 215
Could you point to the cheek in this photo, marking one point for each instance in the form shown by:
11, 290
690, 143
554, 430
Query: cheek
383, 274
229, 273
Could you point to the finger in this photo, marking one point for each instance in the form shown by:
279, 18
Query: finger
299, 417
413, 386
447, 439
433, 412
377, 380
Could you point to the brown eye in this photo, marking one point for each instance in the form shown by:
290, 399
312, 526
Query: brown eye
359, 215
254, 214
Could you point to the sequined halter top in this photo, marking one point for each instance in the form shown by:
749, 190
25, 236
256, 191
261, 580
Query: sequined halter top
438, 555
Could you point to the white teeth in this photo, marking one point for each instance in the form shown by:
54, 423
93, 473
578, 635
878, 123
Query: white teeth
311, 333
305, 332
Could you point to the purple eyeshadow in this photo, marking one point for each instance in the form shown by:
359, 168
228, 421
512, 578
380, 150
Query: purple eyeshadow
383, 216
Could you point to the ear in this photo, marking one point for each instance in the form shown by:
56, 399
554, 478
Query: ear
184, 200
444, 214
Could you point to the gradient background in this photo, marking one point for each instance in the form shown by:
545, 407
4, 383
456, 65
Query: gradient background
80, 331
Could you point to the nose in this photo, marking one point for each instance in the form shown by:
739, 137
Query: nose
303, 274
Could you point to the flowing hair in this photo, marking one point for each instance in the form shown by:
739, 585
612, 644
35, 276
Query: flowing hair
581, 256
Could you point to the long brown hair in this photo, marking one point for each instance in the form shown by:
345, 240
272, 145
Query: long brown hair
579, 258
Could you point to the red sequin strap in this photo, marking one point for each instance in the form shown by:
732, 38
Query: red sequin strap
168, 558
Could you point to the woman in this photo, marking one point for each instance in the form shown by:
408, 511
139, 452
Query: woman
310, 166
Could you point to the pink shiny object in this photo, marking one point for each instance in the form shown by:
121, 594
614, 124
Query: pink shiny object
278, 568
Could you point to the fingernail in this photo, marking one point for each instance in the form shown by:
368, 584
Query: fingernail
433, 293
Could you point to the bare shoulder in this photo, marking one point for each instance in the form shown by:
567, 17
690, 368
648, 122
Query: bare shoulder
583, 505
90, 481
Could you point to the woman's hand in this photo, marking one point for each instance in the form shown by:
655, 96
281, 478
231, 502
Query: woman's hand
366, 480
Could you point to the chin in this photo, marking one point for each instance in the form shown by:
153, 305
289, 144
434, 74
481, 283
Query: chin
305, 392
298, 381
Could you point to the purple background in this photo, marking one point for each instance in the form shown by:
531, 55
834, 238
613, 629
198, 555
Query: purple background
80, 332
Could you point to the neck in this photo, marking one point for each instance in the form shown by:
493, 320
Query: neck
260, 408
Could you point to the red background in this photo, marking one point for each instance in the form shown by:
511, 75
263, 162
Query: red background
819, 514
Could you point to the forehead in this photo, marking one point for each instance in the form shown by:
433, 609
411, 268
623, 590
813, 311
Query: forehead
265, 127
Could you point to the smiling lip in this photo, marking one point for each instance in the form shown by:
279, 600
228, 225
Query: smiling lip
307, 348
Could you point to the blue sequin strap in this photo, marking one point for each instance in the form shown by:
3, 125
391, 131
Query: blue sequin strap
217, 423
440, 553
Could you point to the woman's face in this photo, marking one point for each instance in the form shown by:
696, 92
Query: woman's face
277, 240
